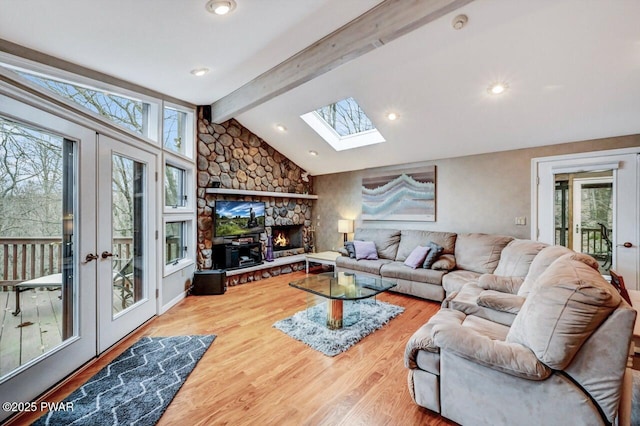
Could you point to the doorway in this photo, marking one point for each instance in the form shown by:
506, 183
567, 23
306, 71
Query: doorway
47, 227
589, 202
77, 246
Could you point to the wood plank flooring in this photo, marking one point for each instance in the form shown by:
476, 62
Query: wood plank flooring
255, 374
38, 327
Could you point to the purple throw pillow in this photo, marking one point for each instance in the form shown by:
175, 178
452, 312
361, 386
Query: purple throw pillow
365, 250
417, 256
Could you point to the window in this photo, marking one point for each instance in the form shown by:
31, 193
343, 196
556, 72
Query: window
345, 117
343, 125
174, 187
177, 135
128, 112
175, 243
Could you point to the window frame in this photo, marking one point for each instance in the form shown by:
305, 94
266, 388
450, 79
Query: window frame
188, 184
188, 257
190, 131
154, 114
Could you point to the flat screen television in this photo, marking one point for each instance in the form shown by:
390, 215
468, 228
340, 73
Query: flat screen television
236, 218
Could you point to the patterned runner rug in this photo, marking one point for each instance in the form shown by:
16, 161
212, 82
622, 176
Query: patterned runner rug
360, 318
137, 386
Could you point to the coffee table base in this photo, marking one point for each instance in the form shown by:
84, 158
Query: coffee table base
334, 314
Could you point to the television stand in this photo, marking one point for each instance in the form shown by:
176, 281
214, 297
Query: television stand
231, 256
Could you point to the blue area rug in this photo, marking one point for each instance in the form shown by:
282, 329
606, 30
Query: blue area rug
137, 386
360, 318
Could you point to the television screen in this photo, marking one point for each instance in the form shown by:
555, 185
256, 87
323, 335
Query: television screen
234, 218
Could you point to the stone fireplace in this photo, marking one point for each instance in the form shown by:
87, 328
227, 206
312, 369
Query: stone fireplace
287, 240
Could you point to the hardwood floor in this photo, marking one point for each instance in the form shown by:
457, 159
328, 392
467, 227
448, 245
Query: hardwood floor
255, 374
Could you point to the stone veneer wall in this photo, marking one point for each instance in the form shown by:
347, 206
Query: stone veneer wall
230, 154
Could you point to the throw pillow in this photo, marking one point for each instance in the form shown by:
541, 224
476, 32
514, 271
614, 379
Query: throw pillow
365, 250
350, 249
433, 254
446, 262
416, 258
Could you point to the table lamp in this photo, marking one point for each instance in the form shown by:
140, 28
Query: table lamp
345, 226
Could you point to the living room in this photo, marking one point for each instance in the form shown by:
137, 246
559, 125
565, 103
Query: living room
435, 68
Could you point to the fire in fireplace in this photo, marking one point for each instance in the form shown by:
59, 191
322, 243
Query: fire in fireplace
286, 237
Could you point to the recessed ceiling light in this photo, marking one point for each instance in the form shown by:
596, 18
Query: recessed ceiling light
313, 153
199, 72
220, 7
281, 128
392, 116
497, 88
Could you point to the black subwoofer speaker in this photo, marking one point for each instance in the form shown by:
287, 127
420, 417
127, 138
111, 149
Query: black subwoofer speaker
212, 281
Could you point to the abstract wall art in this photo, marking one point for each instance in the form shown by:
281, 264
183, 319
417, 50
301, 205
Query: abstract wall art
409, 196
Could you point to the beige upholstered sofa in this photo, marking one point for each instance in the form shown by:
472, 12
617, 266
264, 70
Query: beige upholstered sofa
464, 258
562, 360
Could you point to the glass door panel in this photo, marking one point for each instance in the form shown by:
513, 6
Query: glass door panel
127, 248
126, 240
37, 268
584, 214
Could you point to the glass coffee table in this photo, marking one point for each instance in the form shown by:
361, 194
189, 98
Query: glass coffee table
341, 286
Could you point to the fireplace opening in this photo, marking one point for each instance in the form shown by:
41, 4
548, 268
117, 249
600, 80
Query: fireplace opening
286, 237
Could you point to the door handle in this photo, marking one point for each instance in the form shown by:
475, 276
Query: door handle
106, 254
626, 245
88, 258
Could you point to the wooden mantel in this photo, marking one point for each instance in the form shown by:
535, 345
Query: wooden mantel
224, 191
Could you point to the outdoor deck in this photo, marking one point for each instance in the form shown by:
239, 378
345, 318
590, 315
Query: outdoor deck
36, 329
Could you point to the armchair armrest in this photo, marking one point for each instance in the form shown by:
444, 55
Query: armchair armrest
500, 283
422, 339
510, 358
503, 302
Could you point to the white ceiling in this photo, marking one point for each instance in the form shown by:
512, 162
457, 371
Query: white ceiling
573, 68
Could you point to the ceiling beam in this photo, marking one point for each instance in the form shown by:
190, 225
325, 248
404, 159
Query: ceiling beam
385, 22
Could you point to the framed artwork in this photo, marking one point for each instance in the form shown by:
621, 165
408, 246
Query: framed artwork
409, 196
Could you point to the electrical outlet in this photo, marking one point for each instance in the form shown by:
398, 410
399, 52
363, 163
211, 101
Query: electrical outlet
521, 220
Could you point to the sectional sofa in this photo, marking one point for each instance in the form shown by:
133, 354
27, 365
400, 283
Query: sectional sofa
527, 334
463, 259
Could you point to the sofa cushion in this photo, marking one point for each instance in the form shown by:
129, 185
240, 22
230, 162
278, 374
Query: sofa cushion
503, 302
433, 255
480, 252
365, 250
446, 262
499, 283
466, 300
455, 280
571, 255
517, 256
386, 240
540, 264
368, 266
417, 256
412, 237
570, 302
401, 271
351, 249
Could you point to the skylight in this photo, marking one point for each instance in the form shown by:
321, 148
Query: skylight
343, 125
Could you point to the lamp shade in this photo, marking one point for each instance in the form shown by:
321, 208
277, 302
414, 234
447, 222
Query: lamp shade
345, 226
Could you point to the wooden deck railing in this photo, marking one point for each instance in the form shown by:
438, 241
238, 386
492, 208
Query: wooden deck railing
591, 241
23, 259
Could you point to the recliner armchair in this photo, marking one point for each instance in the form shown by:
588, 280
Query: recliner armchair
563, 360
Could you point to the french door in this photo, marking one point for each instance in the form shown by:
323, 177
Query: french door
126, 239
48, 231
77, 247
621, 252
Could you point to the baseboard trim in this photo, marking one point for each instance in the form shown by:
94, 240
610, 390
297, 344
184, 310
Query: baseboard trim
164, 308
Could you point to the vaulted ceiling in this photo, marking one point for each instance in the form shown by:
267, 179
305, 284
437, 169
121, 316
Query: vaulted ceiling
572, 68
